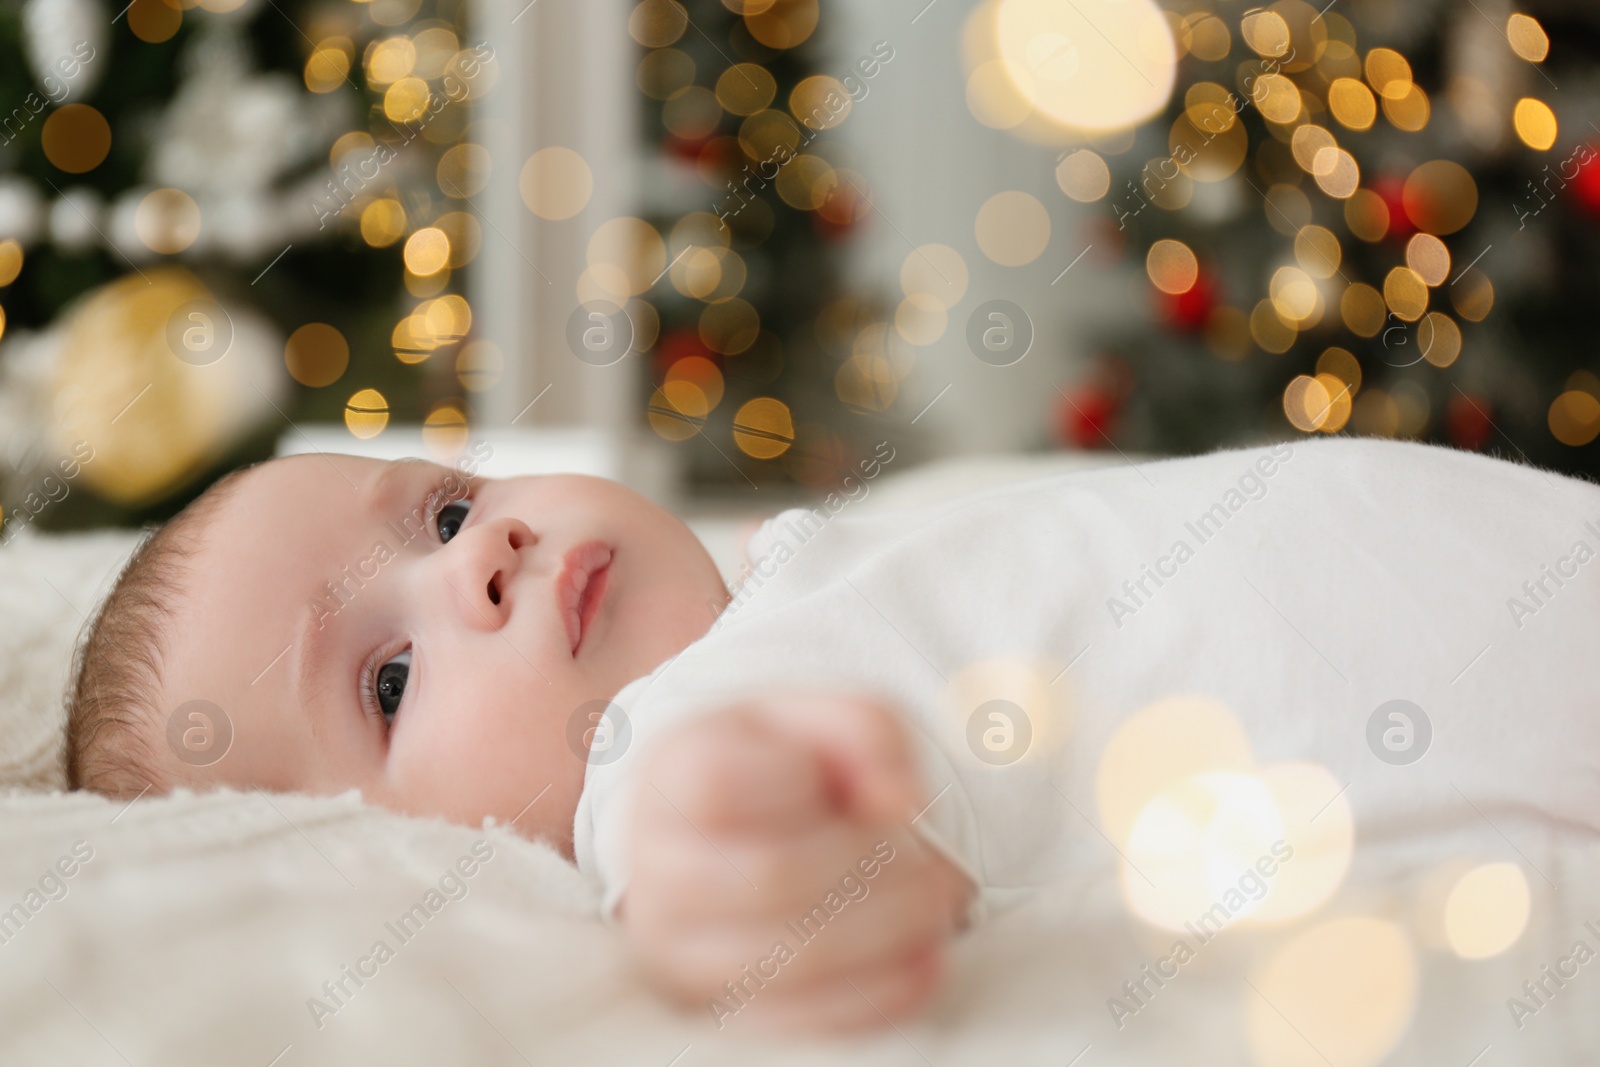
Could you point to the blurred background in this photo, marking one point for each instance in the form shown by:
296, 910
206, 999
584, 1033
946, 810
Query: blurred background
718, 248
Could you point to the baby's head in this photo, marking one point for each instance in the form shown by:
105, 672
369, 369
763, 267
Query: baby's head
394, 627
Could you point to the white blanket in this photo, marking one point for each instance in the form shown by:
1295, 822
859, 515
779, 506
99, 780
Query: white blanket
243, 928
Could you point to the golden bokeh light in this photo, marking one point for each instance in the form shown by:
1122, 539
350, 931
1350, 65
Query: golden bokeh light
1349, 986
920, 319
1487, 911
666, 70
820, 102
390, 59
436, 47
1352, 104
1277, 98
1161, 745
1012, 228
1409, 112
657, 23
1084, 176
1266, 32
784, 23
1294, 296
937, 271
1309, 140
154, 21
383, 222
763, 428
1188, 844
316, 355
427, 251
1376, 415
1307, 403
1091, 65
479, 365
1363, 310
744, 88
1389, 73
1317, 250
1405, 293
1342, 364
1535, 124
703, 374
1428, 256
366, 413
1527, 38
167, 221
692, 113
328, 66
806, 182
677, 410
444, 431
1203, 155
1315, 820
76, 138
1270, 331
769, 134
11, 258
1439, 338
1367, 215
1574, 417
555, 183
463, 170
1172, 267
1207, 37
633, 248
465, 235
407, 100
1337, 173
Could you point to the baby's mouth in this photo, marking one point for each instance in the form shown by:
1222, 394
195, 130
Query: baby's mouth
581, 588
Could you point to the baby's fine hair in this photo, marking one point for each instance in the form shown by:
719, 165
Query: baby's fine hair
114, 721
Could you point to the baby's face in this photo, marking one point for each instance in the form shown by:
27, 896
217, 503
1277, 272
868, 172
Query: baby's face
362, 628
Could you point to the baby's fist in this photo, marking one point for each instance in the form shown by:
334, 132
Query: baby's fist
774, 868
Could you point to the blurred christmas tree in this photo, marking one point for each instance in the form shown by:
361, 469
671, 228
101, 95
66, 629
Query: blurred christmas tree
1376, 218
756, 202
218, 218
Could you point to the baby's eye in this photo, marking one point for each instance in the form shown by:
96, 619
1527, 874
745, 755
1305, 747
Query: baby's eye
451, 516
390, 684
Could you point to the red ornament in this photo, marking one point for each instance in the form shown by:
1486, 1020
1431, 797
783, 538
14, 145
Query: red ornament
1467, 421
1191, 310
688, 151
1084, 417
1392, 191
1586, 184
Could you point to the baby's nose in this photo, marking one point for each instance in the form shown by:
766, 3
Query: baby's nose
479, 565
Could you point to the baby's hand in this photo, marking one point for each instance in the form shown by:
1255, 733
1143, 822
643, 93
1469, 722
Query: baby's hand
775, 874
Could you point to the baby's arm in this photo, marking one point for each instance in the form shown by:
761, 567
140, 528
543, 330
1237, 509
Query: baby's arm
778, 810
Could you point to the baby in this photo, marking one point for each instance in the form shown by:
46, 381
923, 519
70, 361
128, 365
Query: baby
431, 639
903, 724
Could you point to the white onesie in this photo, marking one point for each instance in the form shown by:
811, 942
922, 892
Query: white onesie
1285, 595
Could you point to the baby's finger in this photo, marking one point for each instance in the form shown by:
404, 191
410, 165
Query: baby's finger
866, 749
735, 774
895, 989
